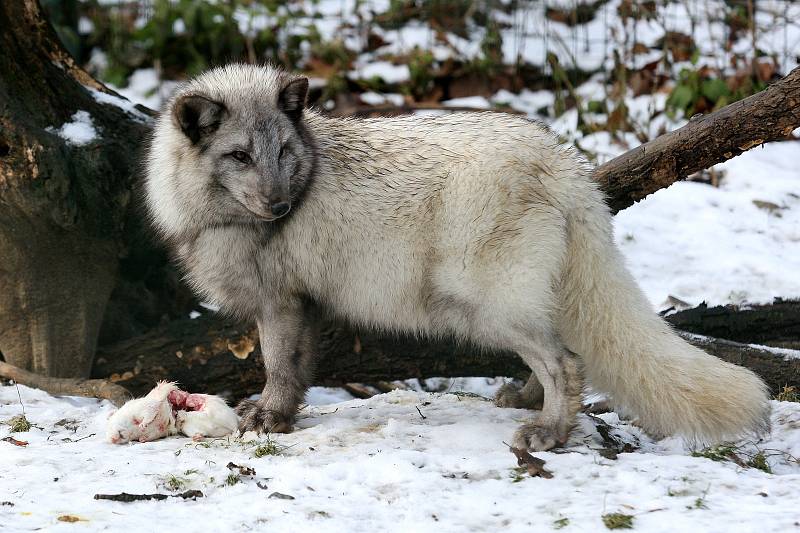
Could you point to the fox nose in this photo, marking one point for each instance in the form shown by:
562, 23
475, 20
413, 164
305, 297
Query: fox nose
279, 208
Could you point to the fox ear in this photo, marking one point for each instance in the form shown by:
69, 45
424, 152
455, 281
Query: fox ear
197, 115
292, 98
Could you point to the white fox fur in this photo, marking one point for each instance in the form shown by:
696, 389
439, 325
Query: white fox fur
480, 226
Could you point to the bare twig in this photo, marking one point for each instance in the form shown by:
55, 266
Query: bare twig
128, 498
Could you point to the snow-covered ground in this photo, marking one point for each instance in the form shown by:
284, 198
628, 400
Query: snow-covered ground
736, 243
403, 461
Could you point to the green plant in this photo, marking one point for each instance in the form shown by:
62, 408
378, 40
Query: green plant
490, 61
699, 91
759, 461
618, 521
452, 15
420, 67
735, 454
269, 447
518, 474
788, 394
721, 452
184, 37
173, 482
19, 424
699, 503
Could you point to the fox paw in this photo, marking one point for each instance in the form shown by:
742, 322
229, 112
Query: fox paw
510, 395
255, 416
538, 438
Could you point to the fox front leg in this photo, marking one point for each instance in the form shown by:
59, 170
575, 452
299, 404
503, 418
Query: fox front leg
288, 345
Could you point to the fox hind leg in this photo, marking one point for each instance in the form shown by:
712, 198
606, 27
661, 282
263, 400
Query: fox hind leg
557, 370
530, 396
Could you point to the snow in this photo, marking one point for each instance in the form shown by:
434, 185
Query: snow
786, 353
477, 102
383, 69
85, 26
373, 98
736, 243
145, 87
526, 101
178, 27
80, 131
126, 105
326, 395
380, 464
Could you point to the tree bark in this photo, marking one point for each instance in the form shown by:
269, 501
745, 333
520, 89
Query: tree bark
211, 354
775, 369
777, 324
705, 141
66, 217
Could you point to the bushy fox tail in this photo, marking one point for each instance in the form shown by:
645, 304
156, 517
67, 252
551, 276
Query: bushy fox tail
633, 355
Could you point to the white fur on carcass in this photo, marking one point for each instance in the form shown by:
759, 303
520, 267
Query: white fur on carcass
167, 410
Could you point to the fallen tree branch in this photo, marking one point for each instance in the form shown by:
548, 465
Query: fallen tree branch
199, 354
776, 324
93, 388
128, 498
767, 116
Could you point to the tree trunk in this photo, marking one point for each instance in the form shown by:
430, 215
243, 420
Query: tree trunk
65, 204
210, 354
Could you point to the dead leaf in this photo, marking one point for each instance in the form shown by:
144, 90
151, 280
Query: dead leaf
243, 470
16, 442
69, 518
533, 465
767, 206
242, 348
280, 496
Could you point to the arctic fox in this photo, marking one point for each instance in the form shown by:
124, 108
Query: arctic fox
481, 226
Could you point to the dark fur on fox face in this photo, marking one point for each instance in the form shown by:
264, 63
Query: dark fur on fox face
258, 155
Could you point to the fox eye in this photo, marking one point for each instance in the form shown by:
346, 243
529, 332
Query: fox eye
242, 157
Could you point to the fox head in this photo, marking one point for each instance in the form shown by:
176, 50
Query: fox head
230, 146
